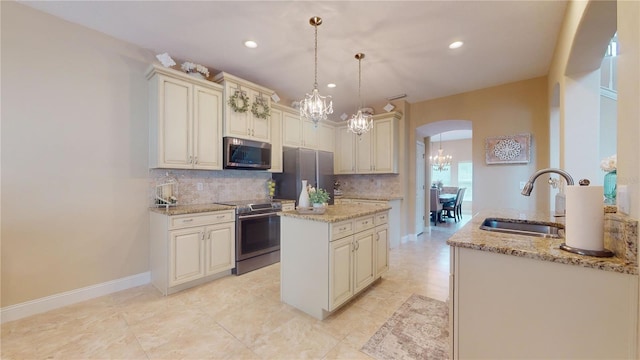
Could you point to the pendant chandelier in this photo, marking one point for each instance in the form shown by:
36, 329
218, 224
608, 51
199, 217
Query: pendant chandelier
440, 162
360, 123
314, 106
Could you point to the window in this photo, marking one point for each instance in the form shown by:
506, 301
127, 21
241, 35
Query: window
443, 176
465, 178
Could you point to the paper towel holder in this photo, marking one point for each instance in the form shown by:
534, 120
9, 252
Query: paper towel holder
596, 253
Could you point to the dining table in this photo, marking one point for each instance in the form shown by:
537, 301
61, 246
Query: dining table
447, 198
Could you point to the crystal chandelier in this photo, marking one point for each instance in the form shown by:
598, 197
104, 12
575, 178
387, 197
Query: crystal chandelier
360, 123
440, 162
314, 106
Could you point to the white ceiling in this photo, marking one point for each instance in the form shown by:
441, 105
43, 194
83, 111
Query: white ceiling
405, 42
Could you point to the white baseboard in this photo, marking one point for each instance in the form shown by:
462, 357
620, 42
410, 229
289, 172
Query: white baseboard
32, 307
409, 237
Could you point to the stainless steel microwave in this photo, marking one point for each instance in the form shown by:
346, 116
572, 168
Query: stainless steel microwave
246, 154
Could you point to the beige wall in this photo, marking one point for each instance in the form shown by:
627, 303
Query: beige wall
515, 108
74, 156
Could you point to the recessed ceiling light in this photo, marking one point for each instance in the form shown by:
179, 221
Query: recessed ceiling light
331, 85
251, 44
455, 44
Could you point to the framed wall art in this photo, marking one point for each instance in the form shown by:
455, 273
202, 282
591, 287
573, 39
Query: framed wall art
511, 149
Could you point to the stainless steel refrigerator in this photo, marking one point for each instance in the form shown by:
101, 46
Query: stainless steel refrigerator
315, 166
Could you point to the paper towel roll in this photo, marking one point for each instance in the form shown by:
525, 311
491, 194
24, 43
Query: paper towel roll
584, 222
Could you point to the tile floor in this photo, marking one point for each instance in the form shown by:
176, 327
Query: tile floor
236, 317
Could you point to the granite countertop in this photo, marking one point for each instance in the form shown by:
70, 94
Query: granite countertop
336, 213
190, 209
532, 247
369, 197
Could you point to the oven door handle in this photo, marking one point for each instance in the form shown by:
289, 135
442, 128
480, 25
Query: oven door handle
242, 217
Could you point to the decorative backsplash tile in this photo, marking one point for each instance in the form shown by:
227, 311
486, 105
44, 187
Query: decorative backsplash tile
227, 185
370, 185
233, 185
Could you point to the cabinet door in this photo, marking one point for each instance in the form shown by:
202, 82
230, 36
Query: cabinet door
207, 128
326, 137
344, 156
260, 128
291, 130
235, 123
185, 255
364, 258
382, 249
174, 128
310, 134
384, 147
220, 248
364, 161
276, 141
340, 271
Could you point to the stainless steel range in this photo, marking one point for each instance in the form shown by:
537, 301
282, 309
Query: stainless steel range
257, 234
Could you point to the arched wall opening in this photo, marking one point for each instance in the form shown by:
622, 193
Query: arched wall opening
427, 135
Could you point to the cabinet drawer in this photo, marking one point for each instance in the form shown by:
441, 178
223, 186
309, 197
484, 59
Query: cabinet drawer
288, 207
183, 221
341, 230
382, 218
364, 223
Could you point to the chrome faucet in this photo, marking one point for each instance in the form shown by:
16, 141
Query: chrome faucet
528, 187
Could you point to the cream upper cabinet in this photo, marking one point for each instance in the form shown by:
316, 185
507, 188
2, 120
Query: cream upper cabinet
385, 144
291, 126
185, 123
298, 132
374, 152
244, 125
310, 134
326, 137
276, 140
344, 159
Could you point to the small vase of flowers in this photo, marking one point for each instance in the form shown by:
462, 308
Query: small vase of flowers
609, 165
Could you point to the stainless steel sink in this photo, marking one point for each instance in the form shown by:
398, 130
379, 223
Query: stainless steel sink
524, 227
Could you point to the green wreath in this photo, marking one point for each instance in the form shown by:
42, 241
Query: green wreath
239, 96
260, 108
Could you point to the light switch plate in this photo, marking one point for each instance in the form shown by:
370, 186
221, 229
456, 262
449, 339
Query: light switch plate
200, 187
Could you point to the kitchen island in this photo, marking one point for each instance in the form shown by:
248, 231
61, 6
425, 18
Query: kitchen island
325, 260
514, 296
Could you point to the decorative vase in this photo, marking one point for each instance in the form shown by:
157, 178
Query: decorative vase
610, 181
303, 200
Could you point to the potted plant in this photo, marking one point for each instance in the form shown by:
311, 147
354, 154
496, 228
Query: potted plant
318, 197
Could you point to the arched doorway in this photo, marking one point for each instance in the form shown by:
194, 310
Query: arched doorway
456, 131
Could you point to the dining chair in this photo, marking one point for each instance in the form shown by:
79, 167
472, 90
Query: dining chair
459, 200
454, 209
436, 206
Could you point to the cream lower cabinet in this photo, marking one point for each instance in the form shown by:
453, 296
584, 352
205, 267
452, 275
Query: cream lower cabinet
185, 124
393, 235
324, 265
509, 307
187, 250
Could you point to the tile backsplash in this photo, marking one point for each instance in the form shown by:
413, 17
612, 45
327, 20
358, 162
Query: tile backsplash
370, 185
233, 185
227, 185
